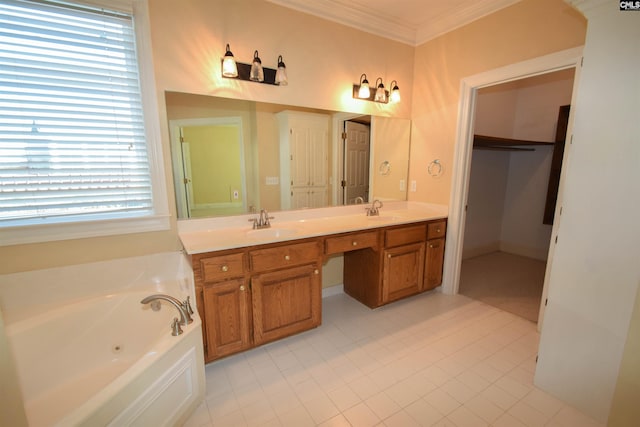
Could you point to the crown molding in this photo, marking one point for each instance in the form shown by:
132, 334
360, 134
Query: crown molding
359, 17
456, 18
354, 16
586, 6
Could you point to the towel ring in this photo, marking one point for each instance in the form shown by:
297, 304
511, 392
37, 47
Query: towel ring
435, 168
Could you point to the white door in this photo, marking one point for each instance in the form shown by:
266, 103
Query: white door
356, 165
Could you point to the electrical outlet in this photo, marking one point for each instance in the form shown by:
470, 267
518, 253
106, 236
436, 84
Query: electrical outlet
413, 186
235, 194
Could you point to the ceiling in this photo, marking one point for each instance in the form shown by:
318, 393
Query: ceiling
408, 21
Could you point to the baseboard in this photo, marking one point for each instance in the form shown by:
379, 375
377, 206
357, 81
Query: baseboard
480, 250
332, 290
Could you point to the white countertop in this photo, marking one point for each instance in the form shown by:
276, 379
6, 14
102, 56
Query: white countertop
214, 234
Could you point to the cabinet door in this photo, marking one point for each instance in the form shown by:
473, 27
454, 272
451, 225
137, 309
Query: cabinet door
318, 155
227, 318
285, 302
403, 269
433, 264
299, 157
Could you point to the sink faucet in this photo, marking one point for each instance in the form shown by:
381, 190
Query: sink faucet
374, 209
359, 200
263, 221
183, 308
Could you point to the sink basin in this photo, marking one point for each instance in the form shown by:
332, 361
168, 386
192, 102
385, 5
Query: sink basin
266, 233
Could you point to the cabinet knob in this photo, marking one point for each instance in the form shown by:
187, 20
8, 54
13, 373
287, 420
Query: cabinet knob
354, 243
224, 268
438, 230
287, 257
388, 255
316, 271
242, 288
431, 245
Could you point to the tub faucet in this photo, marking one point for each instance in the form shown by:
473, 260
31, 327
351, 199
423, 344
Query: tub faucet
374, 209
185, 317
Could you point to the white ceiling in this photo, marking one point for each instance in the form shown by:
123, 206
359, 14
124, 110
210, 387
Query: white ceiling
408, 21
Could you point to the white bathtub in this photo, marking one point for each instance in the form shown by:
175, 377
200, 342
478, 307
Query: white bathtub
108, 360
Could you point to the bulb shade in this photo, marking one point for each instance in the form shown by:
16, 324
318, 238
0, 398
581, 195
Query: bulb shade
229, 66
281, 73
381, 94
364, 91
257, 72
395, 95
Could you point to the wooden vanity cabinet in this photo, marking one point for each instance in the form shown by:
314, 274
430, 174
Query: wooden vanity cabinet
434, 259
403, 259
286, 289
250, 296
223, 302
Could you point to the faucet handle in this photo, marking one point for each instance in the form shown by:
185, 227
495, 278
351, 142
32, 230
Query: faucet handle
175, 327
186, 304
255, 222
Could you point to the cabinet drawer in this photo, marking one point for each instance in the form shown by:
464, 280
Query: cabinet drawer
351, 242
436, 229
222, 267
405, 235
284, 256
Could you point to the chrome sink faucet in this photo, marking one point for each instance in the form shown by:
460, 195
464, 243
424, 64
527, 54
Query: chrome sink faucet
374, 210
184, 308
263, 221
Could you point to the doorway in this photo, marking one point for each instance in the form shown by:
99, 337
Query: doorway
356, 154
463, 152
518, 130
208, 163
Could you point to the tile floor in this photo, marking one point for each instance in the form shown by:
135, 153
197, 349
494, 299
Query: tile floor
430, 360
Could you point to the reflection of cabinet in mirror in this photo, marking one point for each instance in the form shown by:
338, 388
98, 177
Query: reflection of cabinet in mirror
304, 145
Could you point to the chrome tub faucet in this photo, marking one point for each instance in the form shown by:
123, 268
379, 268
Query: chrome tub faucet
184, 308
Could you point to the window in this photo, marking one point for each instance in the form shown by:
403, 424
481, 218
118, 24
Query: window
75, 149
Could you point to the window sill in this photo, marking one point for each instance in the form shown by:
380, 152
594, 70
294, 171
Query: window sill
79, 230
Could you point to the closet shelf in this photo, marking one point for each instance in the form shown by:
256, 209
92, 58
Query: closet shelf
483, 142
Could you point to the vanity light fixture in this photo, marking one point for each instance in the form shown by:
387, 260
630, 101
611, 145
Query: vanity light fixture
254, 72
380, 95
229, 67
281, 73
257, 72
394, 98
362, 90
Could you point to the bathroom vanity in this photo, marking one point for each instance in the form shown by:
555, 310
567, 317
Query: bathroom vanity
256, 286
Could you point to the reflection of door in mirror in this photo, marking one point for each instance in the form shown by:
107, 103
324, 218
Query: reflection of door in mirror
356, 166
212, 172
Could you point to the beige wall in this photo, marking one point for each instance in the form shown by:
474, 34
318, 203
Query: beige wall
526, 30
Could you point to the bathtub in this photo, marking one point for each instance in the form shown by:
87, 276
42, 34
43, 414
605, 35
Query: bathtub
107, 359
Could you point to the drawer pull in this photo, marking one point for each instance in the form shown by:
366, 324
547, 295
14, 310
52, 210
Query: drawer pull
224, 268
388, 255
431, 245
438, 230
242, 288
287, 257
354, 243
316, 271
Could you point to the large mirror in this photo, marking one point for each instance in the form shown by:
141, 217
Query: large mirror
234, 156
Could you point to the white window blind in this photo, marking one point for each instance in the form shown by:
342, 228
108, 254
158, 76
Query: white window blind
72, 136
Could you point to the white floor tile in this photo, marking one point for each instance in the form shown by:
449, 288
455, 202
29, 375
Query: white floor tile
431, 360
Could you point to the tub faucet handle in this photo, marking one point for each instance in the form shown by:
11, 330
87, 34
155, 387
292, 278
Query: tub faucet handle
186, 304
175, 327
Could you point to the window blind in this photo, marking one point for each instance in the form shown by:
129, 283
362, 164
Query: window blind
72, 137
